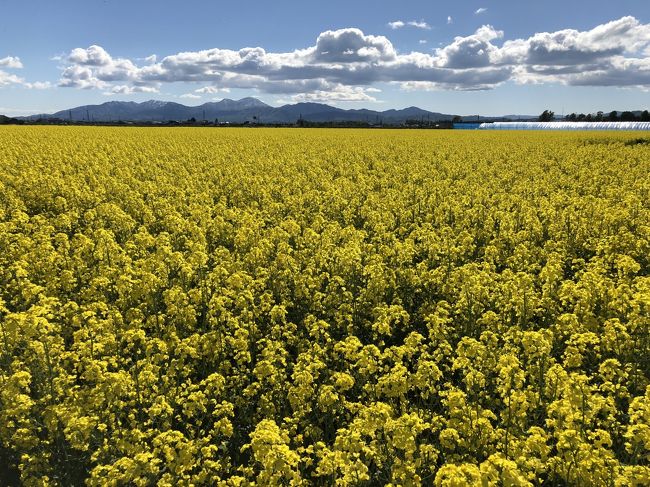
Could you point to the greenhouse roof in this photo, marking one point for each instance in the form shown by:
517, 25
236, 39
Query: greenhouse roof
565, 126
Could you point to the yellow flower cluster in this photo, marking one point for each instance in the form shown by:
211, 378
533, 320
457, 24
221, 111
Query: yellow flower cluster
240, 307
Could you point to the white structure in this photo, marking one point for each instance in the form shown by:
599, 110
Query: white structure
565, 126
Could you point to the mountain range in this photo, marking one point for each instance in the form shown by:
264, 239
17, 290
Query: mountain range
240, 111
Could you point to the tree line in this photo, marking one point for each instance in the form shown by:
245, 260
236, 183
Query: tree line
613, 116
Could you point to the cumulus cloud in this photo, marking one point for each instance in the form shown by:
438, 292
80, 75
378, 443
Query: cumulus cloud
480, 11
11, 62
9, 79
450, 20
418, 24
610, 54
421, 24
571, 47
352, 45
207, 90
342, 64
340, 93
620, 72
92, 56
79, 76
211, 90
203, 91
473, 51
38, 85
129, 90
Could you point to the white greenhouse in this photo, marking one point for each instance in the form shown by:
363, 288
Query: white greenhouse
565, 126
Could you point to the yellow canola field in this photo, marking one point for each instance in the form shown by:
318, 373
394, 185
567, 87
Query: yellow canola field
241, 307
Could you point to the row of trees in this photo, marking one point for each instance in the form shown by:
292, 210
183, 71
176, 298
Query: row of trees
613, 116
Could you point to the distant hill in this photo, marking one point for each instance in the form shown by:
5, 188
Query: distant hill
235, 111
158, 111
253, 110
4, 120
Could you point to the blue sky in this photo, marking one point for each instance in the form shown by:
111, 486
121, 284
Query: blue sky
486, 57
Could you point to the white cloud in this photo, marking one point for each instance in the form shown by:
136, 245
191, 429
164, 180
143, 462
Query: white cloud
346, 62
190, 95
211, 90
79, 76
93, 67
610, 54
339, 94
450, 20
208, 89
129, 90
422, 41
9, 79
419, 24
480, 11
92, 56
38, 85
350, 46
473, 51
572, 47
11, 62
419, 86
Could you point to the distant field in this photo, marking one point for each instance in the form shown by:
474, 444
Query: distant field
315, 307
